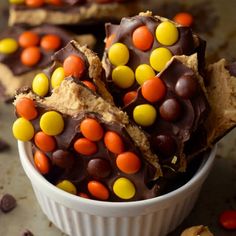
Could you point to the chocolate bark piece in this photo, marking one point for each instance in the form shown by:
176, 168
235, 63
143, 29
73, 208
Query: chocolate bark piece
186, 44
14, 73
76, 102
221, 90
7, 203
199, 230
72, 12
170, 136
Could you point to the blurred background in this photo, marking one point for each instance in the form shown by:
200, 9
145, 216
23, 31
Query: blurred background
214, 21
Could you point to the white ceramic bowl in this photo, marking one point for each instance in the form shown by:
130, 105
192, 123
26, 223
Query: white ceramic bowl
84, 217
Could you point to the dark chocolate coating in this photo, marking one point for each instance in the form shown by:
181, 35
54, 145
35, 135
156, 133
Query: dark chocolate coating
187, 44
190, 116
13, 61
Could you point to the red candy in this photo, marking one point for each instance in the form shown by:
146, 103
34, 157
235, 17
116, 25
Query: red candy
54, 2
50, 42
74, 66
142, 38
184, 18
98, 190
83, 195
89, 85
30, 56
153, 90
228, 219
28, 39
129, 97
44, 142
25, 107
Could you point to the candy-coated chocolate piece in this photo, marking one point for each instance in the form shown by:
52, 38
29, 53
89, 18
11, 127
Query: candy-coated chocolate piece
91, 129
113, 142
118, 54
170, 110
186, 86
28, 39
50, 42
89, 85
74, 66
85, 147
51, 123
159, 57
98, 190
228, 219
153, 90
30, 56
128, 162
99, 168
67, 186
142, 38
124, 188
83, 195
8, 45
123, 76
34, 3
44, 142
41, 162
57, 77
62, 158
143, 73
129, 97
54, 2
25, 107
16, 1
40, 84
109, 40
165, 145
184, 18
167, 33
144, 114
23, 130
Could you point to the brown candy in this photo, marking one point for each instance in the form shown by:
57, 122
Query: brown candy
7, 203
63, 159
99, 168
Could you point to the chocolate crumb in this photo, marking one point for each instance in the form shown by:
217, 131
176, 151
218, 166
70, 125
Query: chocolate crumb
26, 232
50, 224
7, 203
3, 145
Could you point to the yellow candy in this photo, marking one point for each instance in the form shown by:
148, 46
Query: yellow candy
143, 73
118, 54
123, 76
23, 130
51, 123
144, 114
16, 1
40, 84
8, 46
57, 77
167, 33
67, 186
159, 57
124, 188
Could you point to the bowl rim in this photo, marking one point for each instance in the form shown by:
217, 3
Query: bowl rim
25, 153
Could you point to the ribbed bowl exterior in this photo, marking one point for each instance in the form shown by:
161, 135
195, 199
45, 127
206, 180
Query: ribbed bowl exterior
76, 216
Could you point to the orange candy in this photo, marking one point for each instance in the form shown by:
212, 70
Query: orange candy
85, 146
184, 18
25, 107
28, 39
113, 142
89, 85
128, 162
109, 40
34, 3
30, 56
44, 142
129, 97
41, 162
91, 129
83, 195
50, 42
98, 190
153, 90
54, 2
73, 65
142, 38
